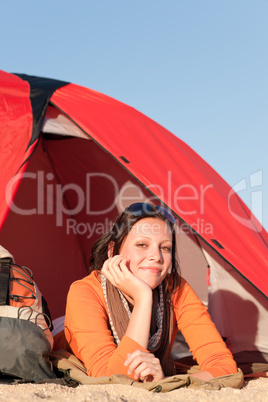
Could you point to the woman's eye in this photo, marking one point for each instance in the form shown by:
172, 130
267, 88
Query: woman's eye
166, 249
141, 245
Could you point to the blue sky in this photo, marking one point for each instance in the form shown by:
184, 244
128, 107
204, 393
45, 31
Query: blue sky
197, 67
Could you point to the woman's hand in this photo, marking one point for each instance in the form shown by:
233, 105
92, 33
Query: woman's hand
145, 365
138, 293
116, 271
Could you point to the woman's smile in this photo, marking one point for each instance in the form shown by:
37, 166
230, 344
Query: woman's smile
153, 270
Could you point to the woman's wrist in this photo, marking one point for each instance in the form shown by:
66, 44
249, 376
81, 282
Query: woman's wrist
145, 297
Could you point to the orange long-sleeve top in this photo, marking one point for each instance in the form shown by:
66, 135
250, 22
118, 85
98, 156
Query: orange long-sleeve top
88, 333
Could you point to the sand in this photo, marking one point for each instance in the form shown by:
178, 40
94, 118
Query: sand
253, 390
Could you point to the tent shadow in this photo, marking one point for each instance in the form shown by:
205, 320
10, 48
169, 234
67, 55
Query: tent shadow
237, 320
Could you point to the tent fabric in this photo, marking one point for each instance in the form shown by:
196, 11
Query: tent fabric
23, 104
243, 320
41, 90
133, 149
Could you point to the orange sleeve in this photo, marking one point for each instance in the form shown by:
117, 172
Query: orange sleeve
88, 334
200, 333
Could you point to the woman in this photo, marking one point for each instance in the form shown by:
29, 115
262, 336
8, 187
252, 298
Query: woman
124, 316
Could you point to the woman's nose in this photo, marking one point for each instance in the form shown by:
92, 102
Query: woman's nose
155, 254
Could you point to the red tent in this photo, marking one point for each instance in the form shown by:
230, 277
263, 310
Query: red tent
72, 158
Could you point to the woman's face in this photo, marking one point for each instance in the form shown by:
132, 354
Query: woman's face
148, 247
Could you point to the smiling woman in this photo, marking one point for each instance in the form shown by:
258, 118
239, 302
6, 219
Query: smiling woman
124, 316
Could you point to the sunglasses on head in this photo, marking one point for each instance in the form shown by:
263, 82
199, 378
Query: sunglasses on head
141, 208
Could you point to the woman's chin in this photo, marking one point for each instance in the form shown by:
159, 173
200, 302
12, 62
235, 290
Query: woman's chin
151, 282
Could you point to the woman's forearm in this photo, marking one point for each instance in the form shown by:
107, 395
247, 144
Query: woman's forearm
139, 325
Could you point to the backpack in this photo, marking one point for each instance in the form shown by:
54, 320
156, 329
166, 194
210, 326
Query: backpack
25, 337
